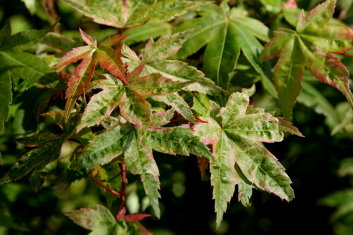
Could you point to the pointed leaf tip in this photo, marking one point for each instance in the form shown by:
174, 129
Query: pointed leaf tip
87, 38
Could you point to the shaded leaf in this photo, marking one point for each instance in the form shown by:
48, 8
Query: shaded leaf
5, 97
35, 158
309, 47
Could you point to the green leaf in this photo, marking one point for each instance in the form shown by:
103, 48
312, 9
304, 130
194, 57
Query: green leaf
221, 55
103, 148
139, 160
201, 105
233, 32
165, 47
39, 139
99, 220
236, 106
25, 65
176, 140
147, 31
24, 40
35, 158
309, 47
5, 33
5, 97
121, 13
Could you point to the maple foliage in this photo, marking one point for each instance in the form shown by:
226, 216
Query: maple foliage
310, 46
124, 104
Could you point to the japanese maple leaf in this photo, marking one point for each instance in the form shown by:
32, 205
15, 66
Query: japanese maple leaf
235, 133
309, 46
108, 58
156, 57
226, 32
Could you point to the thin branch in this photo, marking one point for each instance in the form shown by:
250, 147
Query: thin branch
103, 186
122, 210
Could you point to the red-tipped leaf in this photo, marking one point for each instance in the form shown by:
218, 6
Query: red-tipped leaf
78, 81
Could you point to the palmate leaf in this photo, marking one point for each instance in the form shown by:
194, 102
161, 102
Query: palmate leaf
309, 46
121, 14
241, 159
233, 32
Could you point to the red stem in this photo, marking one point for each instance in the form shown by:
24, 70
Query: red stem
103, 186
122, 210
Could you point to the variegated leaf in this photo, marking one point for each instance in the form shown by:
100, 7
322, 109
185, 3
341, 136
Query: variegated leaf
139, 161
176, 140
101, 105
103, 147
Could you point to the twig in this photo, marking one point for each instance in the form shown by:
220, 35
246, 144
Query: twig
103, 186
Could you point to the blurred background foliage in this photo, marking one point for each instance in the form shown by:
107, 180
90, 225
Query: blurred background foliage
320, 165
